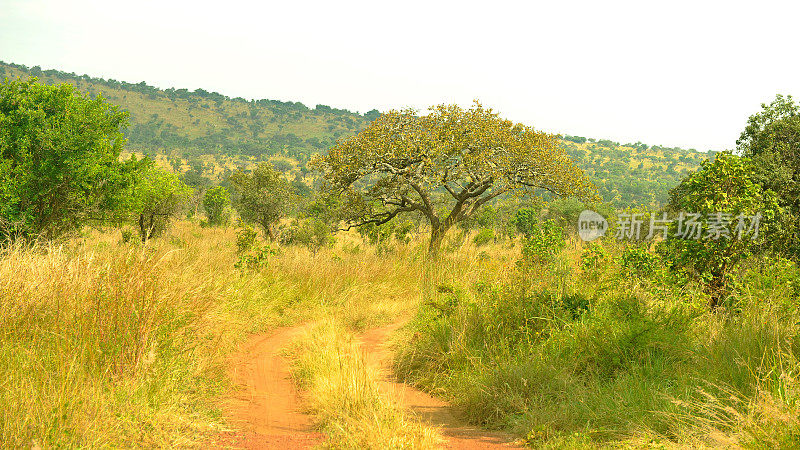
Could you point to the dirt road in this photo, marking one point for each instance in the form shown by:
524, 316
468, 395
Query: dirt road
268, 408
269, 411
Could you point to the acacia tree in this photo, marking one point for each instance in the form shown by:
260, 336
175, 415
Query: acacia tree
444, 165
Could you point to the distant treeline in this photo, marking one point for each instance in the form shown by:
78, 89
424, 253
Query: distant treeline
188, 125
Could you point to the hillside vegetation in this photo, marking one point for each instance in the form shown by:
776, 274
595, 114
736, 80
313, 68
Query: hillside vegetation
207, 135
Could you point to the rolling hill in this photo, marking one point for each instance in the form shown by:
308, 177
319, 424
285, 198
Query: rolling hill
207, 135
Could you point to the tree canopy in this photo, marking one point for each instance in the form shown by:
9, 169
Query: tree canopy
59, 159
155, 198
772, 140
262, 197
444, 165
725, 189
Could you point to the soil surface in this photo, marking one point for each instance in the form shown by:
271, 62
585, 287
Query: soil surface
267, 407
269, 412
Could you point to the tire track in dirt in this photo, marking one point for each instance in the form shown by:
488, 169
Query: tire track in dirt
425, 408
267, 408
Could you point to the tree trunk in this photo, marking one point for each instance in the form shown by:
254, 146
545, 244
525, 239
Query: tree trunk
270, 230
437, 236
142, 229
146, 231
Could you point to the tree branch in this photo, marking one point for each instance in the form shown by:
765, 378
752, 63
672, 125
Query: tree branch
378, 219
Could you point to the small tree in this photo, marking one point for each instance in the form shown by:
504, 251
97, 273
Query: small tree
727, 186
262, 197
445, 165
215, 202
156, 197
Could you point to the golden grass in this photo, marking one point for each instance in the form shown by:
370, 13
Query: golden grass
343, 394
106, 343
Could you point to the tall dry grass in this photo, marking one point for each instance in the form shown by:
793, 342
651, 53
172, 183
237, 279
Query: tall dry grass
343, 394
110, 343
577, 358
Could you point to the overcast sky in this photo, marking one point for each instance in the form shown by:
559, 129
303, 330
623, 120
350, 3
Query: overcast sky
677, 73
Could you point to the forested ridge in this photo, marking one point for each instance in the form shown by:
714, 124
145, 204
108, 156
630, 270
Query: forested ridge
206, 136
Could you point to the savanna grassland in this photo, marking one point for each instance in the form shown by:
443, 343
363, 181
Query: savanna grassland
436, 255
113, 343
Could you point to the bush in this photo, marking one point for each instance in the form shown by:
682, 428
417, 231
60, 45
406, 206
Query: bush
543, 243
256, 258
483, 237
155, 198
637, 261
59, 159
525, 221
312, 233
215, 202
594, 258
245, 239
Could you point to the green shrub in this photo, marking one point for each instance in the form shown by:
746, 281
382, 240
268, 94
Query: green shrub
542, 242
215, 202
256, 258
245, 239
637, 261
483, 237
526, 221
312, 233
594, 257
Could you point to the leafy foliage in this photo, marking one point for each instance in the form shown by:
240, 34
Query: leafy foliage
311, 233
772, 140
215, 202
526, 221
545, 240
262, 197
155, 198
593, 258
59, 159
255, 258
401, 162
636, 261
245, 239
484, 236
727, 185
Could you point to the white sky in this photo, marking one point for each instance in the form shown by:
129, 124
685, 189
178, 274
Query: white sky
677, 73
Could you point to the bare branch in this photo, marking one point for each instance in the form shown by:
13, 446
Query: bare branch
379, 219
